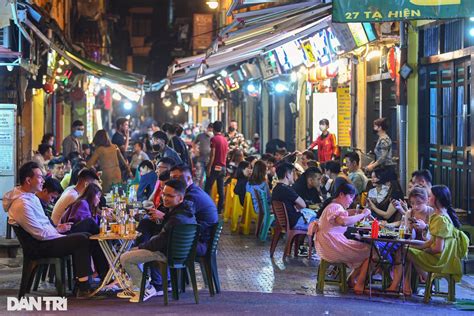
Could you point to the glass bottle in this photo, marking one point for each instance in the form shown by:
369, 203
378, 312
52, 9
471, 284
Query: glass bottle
103, 226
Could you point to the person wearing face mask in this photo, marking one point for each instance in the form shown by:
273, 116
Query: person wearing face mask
234, 138
161, 150
73, 143
244, 170
383, 148
148, 180
326, 143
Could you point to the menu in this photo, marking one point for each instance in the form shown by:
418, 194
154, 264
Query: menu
7, 139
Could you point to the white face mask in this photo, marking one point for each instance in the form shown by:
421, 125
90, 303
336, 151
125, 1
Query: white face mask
322, 128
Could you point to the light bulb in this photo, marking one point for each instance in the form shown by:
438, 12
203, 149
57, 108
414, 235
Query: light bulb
212, 4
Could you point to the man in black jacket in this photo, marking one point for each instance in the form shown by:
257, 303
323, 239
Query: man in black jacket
179, 212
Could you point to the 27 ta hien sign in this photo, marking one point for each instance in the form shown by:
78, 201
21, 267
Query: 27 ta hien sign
347, 11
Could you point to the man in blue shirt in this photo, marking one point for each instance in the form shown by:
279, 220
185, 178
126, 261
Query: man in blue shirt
206, 210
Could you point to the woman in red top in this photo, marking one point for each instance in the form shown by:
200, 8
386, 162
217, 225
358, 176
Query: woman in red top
326, 143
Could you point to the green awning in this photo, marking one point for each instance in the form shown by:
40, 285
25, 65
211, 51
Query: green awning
103, 71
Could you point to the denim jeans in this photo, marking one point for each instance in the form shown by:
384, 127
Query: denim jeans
308, 217
133, 260
219, 177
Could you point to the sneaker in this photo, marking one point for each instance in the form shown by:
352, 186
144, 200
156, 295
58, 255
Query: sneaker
126, 294
150, 291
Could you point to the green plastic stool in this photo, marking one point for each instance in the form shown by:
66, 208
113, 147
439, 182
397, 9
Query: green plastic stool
268, 217
433, 278
341, 281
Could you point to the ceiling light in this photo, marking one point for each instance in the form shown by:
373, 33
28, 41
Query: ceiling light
213, 4
127, 105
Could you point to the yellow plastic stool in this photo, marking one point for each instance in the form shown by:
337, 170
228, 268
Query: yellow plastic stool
237, 212
228, 202
249, 214
214, 194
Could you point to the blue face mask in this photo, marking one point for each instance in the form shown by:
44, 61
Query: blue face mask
78, 133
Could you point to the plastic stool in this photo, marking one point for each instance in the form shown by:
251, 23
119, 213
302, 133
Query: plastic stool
228, 202
432, 277
341, 280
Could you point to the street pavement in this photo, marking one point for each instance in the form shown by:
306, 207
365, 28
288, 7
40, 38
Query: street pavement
253, 284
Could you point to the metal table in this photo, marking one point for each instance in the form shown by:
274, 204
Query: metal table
113, 246
394, 241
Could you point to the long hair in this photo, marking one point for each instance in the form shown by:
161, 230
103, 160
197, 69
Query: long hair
259, 173
239, 173
344, 188
443, 198
88, 195
101, 138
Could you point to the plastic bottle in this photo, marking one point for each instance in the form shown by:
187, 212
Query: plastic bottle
375, 229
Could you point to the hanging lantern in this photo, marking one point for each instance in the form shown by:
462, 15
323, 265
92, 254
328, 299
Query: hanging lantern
48, 87
392, 63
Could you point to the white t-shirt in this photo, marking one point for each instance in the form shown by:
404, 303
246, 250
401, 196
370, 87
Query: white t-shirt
67, 198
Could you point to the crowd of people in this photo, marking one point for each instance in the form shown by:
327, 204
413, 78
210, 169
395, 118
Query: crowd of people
59, 200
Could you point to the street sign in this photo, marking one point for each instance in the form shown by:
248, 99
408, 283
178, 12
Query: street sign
346, 11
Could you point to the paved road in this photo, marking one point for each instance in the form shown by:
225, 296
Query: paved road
254, 284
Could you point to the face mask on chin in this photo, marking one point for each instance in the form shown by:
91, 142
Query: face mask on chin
231, 129
156, 147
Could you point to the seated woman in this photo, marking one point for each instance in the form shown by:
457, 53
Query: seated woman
257, 183
242, 174
82, 214
385, 189
442, 253
333, 246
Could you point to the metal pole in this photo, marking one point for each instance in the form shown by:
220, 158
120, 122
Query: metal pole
353, 92
402, 110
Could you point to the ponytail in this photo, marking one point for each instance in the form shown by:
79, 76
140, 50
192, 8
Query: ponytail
454, 217
324, 205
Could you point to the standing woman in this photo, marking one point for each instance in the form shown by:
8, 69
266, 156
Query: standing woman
326, 143
383, 148
108, 156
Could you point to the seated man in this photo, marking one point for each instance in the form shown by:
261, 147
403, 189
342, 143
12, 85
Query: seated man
299, 216
56, 168
205, 208
49, 194
25, 210
179, 212
85, 177
308, 186
355, 173
148, 180
165, 164
150, 225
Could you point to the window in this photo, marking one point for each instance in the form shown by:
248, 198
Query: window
141, 25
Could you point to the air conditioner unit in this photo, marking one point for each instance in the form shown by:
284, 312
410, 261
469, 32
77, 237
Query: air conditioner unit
5, 37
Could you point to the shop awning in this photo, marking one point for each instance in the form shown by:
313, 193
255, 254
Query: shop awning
241, 4
98, 70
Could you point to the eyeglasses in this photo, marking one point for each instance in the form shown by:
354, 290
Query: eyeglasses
169, 195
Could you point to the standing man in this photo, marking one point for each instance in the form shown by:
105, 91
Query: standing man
202, 147
72, 143
236, 139
217, 163
121, 137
